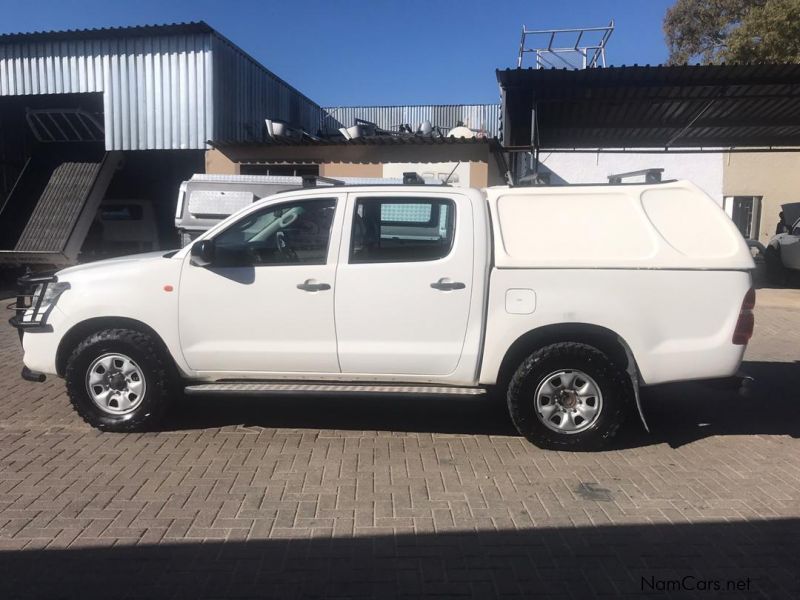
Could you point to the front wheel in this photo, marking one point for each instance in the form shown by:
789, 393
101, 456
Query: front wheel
118, 380
568, 396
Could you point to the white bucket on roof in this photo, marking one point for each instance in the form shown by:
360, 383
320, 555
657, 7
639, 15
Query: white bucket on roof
461, 132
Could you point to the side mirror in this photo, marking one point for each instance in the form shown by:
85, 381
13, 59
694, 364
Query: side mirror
202, 253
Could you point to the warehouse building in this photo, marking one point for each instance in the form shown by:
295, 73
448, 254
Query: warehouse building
119, 117
99, 127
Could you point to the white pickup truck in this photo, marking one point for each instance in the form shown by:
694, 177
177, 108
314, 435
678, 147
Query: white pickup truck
566, 299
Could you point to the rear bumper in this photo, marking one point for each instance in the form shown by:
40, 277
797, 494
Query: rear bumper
741, 382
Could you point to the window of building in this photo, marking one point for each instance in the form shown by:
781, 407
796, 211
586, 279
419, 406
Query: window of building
283, 170
745, 211
401, 229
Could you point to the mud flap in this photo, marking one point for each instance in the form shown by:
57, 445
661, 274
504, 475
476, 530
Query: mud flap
633, 374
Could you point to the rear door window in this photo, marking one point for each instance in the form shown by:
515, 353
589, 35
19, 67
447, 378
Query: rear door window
404, 229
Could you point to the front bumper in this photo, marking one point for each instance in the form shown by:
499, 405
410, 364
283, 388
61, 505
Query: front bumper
29, 314
34, 376
34, 318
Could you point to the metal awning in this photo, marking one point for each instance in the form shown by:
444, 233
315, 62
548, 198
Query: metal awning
659, 107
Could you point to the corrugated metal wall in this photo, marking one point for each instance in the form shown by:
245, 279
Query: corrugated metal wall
475, 116
160, 92
156, 88
245, 93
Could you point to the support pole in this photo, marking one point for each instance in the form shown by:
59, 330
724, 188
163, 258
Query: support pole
535, 138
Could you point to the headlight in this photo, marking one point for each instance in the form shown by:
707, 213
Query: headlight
51, 294
42, 304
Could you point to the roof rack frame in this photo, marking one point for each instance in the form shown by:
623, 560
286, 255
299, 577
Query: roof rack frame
650, 176
311, 181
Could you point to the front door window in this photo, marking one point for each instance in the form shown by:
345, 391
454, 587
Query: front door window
286, 234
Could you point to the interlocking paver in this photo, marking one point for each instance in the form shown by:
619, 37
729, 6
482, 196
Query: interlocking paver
305, 497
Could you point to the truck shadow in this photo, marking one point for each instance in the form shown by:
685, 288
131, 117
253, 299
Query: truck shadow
677, 414
419, 414
681, 413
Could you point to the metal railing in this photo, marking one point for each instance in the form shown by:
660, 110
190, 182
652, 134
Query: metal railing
64, 125
576, 48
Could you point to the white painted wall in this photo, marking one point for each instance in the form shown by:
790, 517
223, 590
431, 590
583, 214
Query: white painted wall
704, 170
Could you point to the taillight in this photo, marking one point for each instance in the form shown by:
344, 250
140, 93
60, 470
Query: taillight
746, 321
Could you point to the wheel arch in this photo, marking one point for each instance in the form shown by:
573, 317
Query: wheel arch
602, 338
80, 331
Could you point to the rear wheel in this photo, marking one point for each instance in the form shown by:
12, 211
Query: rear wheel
118, 380
568, 396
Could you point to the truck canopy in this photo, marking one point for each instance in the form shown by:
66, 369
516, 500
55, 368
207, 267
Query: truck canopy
671, 225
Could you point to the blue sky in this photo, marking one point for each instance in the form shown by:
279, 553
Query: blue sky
344, 52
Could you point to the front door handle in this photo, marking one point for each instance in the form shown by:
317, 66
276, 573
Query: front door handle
445, 285
310, 285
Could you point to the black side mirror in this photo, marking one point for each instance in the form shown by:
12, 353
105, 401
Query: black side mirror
202, 253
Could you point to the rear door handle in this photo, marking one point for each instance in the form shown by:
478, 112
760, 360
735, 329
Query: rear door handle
446, 285
310, 285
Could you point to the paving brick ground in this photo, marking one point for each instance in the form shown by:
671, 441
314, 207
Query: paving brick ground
310, 497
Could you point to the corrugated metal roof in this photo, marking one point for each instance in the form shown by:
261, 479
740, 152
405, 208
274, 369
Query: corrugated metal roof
653, 106
164, 87
105, 32
375, 140
484, 117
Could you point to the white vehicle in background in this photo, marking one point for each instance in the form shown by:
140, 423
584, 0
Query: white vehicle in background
782, 254
121, 227
564, 299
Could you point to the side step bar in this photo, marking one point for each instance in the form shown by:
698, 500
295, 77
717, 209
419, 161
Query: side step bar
261, 388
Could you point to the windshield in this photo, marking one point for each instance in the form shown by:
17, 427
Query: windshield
791, 214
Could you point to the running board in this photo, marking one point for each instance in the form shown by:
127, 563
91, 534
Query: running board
260, 388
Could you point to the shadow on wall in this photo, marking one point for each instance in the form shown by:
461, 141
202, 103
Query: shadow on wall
677, 413
756, 559
545, 174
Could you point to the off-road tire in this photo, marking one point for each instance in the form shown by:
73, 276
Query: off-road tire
614, 386
140, 347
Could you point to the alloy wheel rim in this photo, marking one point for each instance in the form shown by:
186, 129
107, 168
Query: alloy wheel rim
568, 401
115, 383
